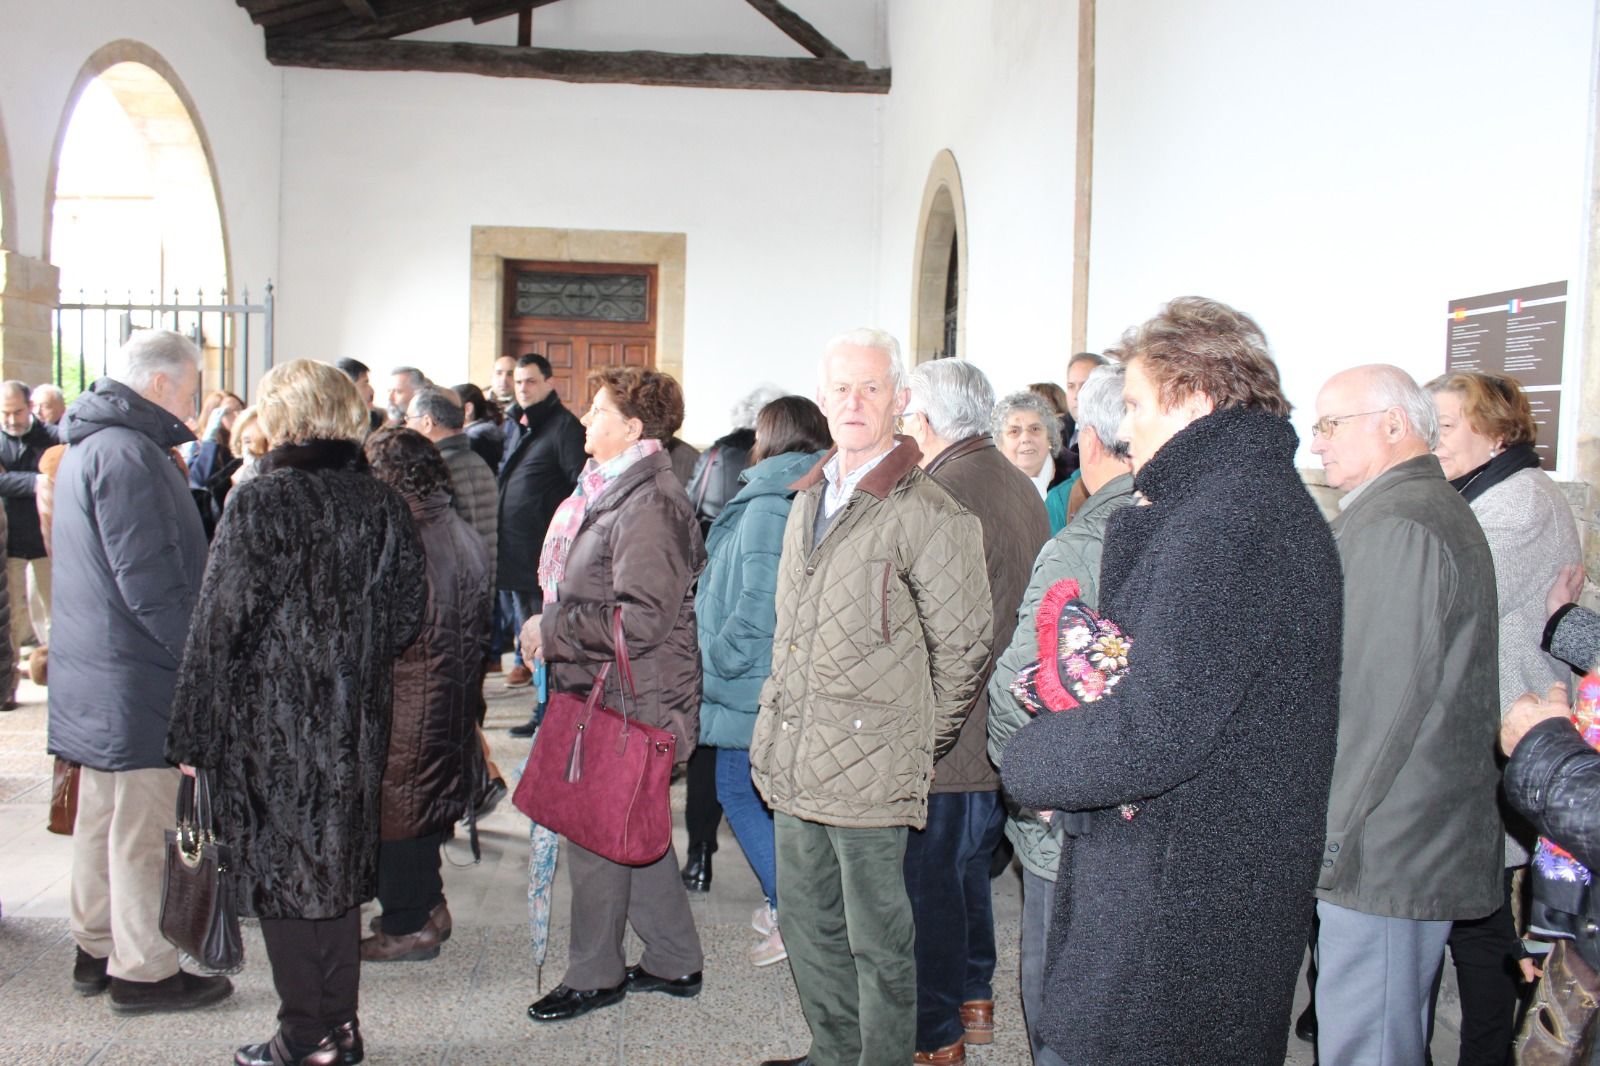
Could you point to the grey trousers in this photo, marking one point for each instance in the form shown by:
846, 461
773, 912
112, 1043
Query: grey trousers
1038, 897
852, 942
1375, 987
607, 897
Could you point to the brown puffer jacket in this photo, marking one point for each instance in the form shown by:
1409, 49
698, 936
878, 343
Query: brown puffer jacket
1015, 527
425, 784
639, 548
883, 637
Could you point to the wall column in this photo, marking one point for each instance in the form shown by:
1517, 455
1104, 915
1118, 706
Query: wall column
30, 289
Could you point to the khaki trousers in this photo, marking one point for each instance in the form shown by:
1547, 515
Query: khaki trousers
118, 857
28, 585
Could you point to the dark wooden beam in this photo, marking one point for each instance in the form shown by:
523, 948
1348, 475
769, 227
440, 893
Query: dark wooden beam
525, 28
361, 9
503, 9
799, 30
417, 16
263, 7
629, 68
312, 25
299, 11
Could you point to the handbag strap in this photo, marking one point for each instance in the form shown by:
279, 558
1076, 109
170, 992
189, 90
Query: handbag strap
184, 815
619, 641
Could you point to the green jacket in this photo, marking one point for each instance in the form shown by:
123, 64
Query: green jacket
883, 636
1074, 553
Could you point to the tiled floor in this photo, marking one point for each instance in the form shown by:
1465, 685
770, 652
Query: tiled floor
468, 1005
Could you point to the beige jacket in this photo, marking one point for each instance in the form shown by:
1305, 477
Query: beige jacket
883, 638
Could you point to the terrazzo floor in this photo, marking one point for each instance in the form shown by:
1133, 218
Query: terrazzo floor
468, 1005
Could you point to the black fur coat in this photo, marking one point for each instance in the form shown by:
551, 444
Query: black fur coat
314, 586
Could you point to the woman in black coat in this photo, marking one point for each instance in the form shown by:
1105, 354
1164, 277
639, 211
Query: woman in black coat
1181, 911
313, 587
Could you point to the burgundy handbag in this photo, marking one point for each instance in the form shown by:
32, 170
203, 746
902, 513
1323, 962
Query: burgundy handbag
599, 777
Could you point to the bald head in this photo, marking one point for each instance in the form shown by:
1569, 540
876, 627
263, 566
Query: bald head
1370, 419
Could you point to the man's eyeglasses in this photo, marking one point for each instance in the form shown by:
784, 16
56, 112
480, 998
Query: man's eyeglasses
1324, 427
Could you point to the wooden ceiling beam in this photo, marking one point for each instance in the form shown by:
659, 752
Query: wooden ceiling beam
630, 68
361, 9
799, 30
299, 11
421, 16
263, 7
505, 9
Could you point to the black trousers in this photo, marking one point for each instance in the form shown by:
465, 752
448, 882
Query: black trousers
409, 885
1485, 954
702, 813
316, 968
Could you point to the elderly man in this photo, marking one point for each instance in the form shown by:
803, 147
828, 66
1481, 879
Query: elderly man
404, 381
23, 439
883, 636
1072, 553
49, 404
131, 552
947, 862
1414, 838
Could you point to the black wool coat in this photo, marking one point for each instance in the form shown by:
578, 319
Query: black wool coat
541, 465
1176, 935
314, 586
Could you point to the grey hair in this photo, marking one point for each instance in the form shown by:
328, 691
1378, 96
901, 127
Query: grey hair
441, 405
867, 337
48, 390
1100, 406
1389, 386
1028, 401
418, 378
150, 352
1087, 357
16, 388
743, 414
954, 395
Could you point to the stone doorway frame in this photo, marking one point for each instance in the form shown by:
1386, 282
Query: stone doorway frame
493, 245
942, 218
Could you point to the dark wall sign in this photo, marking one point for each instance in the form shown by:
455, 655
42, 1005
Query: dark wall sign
1520, 333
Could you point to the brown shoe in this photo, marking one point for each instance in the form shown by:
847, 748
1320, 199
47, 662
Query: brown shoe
412, 947
949, 1055
519, 677
977, 1018
439, 921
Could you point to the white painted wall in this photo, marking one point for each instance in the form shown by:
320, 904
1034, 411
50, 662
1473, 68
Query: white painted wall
386, 174
995, 82
1341, 172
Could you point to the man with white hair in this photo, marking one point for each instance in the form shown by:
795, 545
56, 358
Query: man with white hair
947, 861
883, 636
130, 553
1414, 838
49, 404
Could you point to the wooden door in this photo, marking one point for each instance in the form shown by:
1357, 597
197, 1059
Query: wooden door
581, 317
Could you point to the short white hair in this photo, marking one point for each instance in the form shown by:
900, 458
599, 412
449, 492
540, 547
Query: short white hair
150, 352
48, 391
955, 397
1389, 386
1100, 406
867, 337
1032, 402
743, 414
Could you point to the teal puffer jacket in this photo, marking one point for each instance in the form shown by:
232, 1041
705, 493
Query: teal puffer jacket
734, 606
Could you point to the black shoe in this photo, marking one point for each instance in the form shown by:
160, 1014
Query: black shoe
491, 799
347, 1038
526, 729
89, 974
697, 871
1305, 1026
277, 1052
563, 1002
803, 1060
641, 980
181, 991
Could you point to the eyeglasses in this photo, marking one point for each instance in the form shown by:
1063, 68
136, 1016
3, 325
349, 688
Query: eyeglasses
1324, 427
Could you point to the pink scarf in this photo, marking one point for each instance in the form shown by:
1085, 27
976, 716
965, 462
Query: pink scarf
592, 484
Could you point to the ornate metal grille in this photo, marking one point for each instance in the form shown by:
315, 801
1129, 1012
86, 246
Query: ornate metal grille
594, 297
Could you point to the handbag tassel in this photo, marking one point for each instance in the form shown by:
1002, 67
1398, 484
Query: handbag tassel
575, 760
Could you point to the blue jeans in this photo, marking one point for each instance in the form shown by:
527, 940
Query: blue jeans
1038, 898
516, 607
947, 878
748, 817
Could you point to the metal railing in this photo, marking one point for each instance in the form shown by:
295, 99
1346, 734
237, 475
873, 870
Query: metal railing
229, 332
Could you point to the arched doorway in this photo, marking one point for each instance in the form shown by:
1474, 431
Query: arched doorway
133, 210
939, 287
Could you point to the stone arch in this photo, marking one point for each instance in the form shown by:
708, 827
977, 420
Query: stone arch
941, 253
182, 164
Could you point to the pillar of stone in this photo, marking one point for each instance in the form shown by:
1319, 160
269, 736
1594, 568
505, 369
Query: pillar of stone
29, 292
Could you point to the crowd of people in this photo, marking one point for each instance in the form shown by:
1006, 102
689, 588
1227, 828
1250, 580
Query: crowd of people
895, 634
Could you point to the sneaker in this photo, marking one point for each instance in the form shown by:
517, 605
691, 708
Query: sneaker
181, 991
765, 919
769, 951
519, 677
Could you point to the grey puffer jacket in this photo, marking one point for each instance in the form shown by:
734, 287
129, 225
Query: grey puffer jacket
129, 556
883, 637
476, 496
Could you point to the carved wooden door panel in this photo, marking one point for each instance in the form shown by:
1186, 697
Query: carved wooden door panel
581, 317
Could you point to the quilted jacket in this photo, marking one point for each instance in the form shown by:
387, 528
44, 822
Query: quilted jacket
883, 637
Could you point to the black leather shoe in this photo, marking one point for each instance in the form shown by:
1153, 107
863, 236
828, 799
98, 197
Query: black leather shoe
697, 871
1305, 1026
276, 1052
641, 980
803, 1060
181, 991
526, 729
89, 974
347, 1038
563, 1002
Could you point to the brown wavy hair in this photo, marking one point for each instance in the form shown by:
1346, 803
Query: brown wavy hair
408, 462
1195, 345
653, 397
1493, 403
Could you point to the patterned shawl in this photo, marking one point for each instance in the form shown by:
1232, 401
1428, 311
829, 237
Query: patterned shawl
596, 478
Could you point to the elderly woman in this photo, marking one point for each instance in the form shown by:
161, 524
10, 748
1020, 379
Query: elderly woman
626, 539
426, 783
1486, 435
314, 586
737, 612
1028, 433
1202, 767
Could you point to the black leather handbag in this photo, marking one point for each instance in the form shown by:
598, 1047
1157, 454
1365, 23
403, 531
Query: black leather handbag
199, 914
